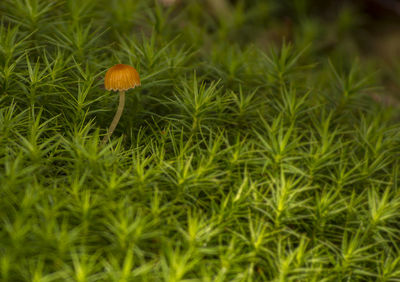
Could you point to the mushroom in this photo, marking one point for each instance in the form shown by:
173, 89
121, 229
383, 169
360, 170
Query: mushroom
119, 78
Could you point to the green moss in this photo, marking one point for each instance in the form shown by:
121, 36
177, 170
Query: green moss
230, 163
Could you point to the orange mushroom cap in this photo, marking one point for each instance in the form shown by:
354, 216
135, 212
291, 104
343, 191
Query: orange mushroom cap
121, 78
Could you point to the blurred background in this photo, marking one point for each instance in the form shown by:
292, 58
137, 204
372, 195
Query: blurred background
366, 31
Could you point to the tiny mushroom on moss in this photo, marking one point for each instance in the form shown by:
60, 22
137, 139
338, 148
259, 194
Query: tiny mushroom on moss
120, 78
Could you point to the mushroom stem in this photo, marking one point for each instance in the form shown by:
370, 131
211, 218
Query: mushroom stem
116, 117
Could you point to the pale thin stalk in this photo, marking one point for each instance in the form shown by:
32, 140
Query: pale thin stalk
116, 117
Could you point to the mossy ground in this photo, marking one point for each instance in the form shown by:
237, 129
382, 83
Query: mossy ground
232, 162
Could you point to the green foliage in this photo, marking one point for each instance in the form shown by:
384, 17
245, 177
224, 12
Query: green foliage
229, 163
